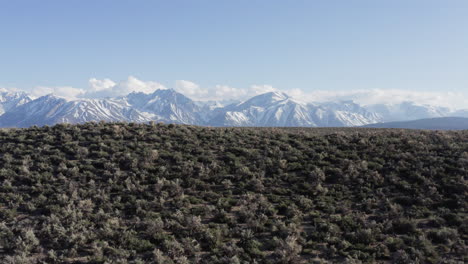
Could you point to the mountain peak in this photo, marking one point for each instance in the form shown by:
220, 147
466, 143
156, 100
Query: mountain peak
277, 95
266, 99
11, 99
51, 97
273, 108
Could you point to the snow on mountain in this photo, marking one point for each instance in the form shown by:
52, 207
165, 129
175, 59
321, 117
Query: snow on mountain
212, 105
346, 113
408, 111
168, 105
269, 109
210, 109
49, 110
209, 105
36, 112
101, 110
278, 109
10, 100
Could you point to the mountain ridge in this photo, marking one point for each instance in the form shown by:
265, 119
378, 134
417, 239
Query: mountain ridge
272, 109
439, 123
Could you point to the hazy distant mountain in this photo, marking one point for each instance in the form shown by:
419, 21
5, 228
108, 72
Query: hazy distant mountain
407, 111
461, 113
347, 113
11, 100
269, 109
211, 105
441, 123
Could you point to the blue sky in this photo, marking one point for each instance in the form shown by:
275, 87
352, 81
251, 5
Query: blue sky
328, 45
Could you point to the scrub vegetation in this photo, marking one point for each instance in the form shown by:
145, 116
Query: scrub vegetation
157, 193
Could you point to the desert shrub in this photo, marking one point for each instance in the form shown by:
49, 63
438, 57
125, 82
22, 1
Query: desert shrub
137, 193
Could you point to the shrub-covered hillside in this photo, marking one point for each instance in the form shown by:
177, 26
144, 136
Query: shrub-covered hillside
118, 193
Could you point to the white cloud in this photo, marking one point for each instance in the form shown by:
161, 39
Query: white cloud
191, 90
219, 92
8, 90
99, 85
61, 91
99, 88
453, 100
67, 92
226, 92
388, 96
363, 96
108, 88
260, 89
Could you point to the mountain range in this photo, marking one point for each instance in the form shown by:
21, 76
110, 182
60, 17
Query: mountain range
439, 123
18, 109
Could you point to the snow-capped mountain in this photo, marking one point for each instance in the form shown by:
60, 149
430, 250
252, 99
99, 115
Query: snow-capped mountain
40, 111
408, 111
212, 105
269, 109
103, 109
167, 105
279, 109
11, 100
49, 110
345, 113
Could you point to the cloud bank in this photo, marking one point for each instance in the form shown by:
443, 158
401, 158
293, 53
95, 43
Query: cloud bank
454, 100
62, 91
102, 88
108, 88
